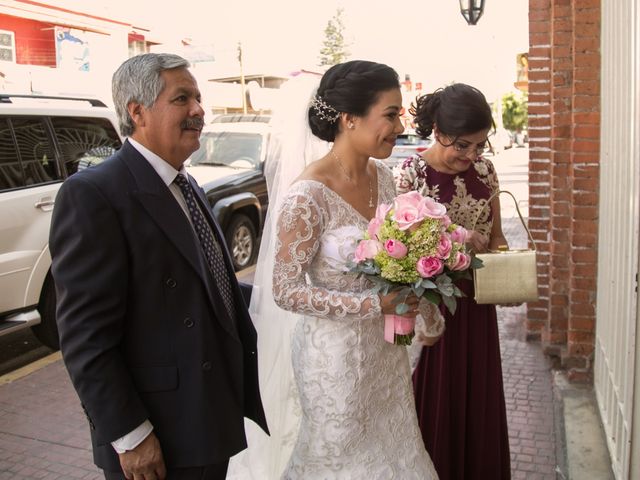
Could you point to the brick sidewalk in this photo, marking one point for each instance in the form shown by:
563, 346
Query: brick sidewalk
529, 399
44, 434
528, 386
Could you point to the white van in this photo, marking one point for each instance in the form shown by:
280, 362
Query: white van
43, 140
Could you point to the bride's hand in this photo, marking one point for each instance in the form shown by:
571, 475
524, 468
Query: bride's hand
389, 302
477, 242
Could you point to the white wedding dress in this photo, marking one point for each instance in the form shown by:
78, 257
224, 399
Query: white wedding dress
358, 414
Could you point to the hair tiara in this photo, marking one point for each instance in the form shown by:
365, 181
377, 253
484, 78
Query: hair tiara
324, 110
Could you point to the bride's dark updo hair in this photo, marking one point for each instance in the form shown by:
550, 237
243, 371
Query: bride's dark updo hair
458, 109
350, 87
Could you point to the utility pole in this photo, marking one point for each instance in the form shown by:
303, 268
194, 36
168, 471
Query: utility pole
242, 85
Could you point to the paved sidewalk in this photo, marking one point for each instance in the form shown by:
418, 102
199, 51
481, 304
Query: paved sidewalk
44, 434
528, 391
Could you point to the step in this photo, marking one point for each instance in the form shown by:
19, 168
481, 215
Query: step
18, 321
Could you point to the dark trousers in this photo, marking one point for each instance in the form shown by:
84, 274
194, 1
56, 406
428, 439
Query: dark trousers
208, 472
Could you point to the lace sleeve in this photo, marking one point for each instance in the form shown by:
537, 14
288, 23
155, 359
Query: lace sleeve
299, 226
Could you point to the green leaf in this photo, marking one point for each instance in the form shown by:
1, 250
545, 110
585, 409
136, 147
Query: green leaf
432, 297
450, 303
419, 291
402, 308
445, 286
476, 263
428, 284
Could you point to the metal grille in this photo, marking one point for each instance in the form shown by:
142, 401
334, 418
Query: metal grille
616, 359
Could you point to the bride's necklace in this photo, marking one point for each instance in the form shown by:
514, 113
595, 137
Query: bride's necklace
371, 205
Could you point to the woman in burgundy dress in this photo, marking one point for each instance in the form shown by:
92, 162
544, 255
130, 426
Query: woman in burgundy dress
458, 381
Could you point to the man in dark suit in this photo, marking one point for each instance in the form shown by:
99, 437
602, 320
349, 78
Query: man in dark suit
153, 327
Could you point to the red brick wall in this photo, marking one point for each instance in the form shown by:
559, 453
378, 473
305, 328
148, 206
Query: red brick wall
564, 120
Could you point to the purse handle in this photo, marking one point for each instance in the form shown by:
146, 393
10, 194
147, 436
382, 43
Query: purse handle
495, 194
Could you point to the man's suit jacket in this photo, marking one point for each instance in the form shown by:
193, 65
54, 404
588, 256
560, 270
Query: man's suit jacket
143, 330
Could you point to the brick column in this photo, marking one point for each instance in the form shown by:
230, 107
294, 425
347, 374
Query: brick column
540, 156
585, 160
564, 98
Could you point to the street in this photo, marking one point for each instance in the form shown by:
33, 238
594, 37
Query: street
20, 348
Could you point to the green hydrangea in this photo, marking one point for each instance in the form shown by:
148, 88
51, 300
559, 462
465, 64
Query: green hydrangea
401, 270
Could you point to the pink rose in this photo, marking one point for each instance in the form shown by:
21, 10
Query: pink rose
428, 267
376, 222
374, 228
434, 209
382, 210
459, 235
411, 208
461, 262
446, 221
395, 248
408, 209
367, 249
444, 246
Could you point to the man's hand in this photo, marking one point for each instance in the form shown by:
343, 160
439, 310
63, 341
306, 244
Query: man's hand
144, 462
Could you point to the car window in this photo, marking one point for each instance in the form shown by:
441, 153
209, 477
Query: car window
11, 173
84, 142
234, 149
26, 154
410, 140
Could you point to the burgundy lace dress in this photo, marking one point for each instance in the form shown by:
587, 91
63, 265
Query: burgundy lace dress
458, 381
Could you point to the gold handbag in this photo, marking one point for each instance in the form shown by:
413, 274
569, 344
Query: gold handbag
507, 276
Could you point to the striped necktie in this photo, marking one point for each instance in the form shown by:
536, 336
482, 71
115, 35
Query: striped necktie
210, 246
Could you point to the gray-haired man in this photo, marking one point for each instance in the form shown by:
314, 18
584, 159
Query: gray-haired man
153, 327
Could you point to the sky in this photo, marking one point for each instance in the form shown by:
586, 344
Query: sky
427, 39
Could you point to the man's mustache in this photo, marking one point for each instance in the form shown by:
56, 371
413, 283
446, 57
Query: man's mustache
195, 123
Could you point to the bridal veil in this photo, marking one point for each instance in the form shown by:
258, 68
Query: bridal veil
292, 147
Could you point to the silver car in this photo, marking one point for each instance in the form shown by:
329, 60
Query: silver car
408, 143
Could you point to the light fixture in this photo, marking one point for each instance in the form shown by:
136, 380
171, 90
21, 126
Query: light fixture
471, 10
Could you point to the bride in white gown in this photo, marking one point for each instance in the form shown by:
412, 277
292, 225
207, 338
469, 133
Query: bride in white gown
350, 413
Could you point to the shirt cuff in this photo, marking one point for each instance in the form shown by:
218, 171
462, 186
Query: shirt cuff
134, 438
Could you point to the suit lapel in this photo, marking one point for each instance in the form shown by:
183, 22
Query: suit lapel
165, 211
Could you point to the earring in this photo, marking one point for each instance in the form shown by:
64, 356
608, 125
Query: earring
351, 125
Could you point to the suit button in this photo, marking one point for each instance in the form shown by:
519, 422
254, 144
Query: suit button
206, 366
171, 283
188, 322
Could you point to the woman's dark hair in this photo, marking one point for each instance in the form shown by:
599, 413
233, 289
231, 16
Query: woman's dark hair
350, 87
458, 109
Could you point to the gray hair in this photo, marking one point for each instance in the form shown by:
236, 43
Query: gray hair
138, 80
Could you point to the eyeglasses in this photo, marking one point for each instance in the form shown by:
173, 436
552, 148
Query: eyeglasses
464, 146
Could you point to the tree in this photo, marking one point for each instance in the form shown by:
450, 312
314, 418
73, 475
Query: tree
334, 49
514, 112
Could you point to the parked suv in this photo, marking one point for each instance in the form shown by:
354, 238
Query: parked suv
43, 140
229, 166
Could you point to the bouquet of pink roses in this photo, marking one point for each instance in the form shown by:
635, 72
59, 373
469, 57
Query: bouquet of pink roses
412, 245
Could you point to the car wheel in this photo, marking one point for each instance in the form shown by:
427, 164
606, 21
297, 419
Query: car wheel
47, 330
241, 240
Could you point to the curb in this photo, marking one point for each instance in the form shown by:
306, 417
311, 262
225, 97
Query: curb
582, 452
30, 368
